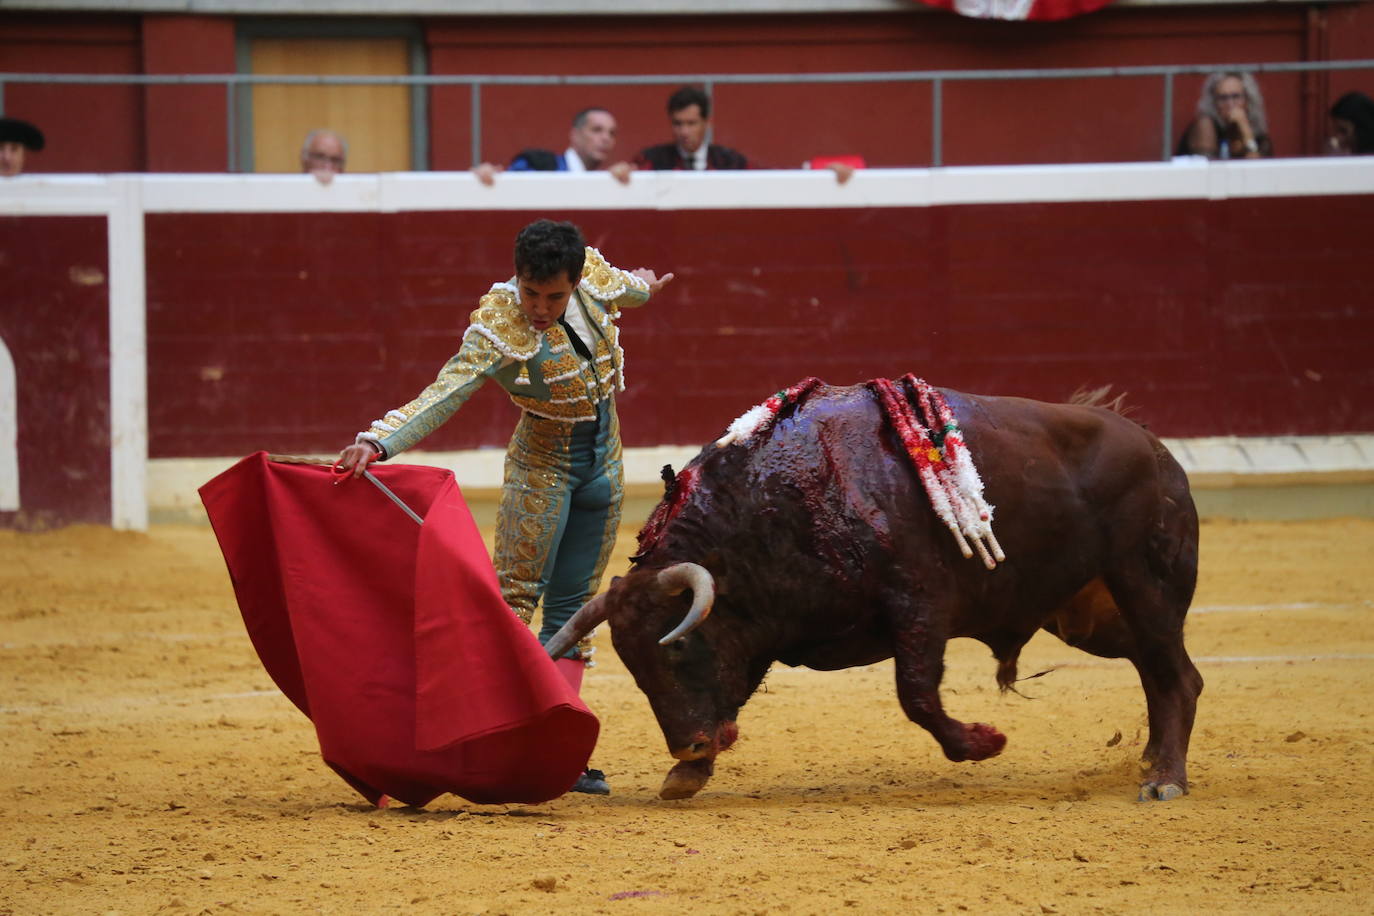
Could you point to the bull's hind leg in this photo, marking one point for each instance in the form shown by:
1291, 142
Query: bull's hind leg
920, 656
1154, 616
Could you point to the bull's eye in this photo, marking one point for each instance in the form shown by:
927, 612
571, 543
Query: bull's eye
690, 644
691, 652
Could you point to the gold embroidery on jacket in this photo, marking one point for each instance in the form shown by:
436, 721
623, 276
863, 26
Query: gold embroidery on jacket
575, 412
406, 425
560, 368
499, 319
606, 282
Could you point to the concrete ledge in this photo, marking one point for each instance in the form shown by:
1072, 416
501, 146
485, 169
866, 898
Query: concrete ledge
1300, 476
173, 483
1201, 480
1232, 460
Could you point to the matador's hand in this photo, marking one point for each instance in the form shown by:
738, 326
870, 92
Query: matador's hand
357, 457
655, 282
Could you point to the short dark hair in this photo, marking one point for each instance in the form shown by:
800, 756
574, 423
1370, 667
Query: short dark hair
580, 118
545, 249
686, 97
1358, 109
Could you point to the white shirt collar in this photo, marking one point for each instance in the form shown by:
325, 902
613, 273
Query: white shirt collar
573, 315
573, 160
698, 158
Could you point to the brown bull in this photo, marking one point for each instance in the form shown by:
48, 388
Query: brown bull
812, 543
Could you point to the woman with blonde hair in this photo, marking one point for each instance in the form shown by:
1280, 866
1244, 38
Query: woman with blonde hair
1230, 121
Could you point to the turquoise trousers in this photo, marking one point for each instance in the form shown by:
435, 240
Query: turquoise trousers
560, 511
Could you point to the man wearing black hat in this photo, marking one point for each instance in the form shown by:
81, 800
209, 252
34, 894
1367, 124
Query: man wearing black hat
16, 136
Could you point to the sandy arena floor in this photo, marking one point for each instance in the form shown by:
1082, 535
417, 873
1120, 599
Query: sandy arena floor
149, 765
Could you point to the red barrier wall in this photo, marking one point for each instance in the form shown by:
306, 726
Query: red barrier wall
1244, 317
54, 318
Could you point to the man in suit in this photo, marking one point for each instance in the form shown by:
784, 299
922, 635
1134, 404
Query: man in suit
689, 113
590, 143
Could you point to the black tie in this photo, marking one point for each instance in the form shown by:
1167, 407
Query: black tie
575, 340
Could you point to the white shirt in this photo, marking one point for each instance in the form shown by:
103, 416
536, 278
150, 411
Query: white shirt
573, 315
573, 160
698, 158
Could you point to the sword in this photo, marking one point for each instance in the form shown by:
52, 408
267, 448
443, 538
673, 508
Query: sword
393, 497
341, 476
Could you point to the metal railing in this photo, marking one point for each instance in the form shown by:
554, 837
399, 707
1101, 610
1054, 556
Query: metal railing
936, 78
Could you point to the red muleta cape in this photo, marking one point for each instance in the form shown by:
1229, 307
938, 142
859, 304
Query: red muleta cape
392, 637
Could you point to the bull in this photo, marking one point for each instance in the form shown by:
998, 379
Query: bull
811, 542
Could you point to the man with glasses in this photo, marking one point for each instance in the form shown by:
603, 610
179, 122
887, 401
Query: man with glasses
323, 154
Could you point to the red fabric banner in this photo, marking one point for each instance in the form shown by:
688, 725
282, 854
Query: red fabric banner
1018, 9
392, 637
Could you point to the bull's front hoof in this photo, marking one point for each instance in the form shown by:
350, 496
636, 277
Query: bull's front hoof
1155, 792
686, 779
983, 741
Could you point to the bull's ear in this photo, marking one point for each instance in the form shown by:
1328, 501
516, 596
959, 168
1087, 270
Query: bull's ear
614, 580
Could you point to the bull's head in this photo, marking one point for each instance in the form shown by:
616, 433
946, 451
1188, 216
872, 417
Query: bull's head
695, 679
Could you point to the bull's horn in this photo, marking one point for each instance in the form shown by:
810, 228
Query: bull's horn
578, 626
688, 575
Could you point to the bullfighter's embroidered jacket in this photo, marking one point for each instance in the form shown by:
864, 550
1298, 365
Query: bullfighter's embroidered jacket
538, 369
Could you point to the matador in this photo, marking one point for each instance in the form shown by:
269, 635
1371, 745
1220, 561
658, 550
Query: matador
548, 337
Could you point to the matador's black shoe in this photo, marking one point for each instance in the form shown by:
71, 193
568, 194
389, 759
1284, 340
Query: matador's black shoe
593, 782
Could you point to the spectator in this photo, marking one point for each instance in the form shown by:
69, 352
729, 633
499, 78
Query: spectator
16, 137
323, 154
590, 144
689, 114
1352, 126
1230, 122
